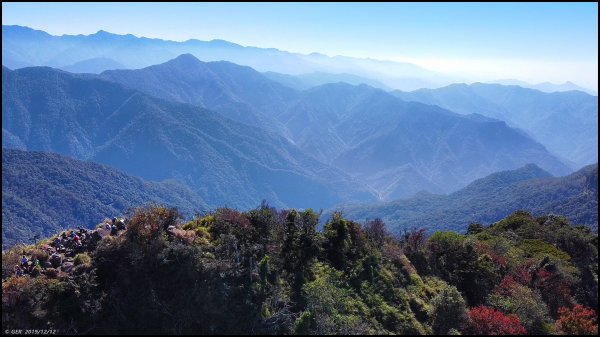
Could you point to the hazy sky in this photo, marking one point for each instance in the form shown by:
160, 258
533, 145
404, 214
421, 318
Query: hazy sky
533, 42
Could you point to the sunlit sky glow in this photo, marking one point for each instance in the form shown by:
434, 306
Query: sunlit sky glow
534, 42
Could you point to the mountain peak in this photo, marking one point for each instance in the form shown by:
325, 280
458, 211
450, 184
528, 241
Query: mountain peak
504, 178
104, 35
22, 31
185, 60
529, 171
223, 43
187, 57
102, 32
533, 168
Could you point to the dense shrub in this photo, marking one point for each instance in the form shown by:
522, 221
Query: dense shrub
449, 311
577, 321
488, 321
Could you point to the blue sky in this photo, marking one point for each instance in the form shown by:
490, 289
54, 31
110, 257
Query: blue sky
539, 42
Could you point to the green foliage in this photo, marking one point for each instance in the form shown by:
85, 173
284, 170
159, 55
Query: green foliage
527, 304
454, 258
339, 241
301, 245
82, 259
333, 307
474, 228
538, 249
449, 311
577, 273
518, 221
264, 270
447, 240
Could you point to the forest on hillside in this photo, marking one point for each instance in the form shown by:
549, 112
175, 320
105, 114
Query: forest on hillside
272, 272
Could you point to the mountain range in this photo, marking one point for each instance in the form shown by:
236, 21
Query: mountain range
490, 199
237, 92
225, 162
397, 148
94, 53
547, 86
565, 122
311, 80
44, 191
23, 47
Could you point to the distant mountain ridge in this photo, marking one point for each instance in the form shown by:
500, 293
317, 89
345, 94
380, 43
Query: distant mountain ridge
94, 65
489, 199
23, 47
565, 122
311, 80
547, 86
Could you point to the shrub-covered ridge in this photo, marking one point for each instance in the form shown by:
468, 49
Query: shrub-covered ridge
269, 271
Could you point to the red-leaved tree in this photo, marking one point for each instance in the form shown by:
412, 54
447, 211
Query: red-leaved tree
488, 321
577, 321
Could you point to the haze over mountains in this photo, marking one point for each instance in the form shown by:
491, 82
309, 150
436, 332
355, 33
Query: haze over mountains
94, 53
393, 147
227, 163
351, 127
295, 130
311, 80
23, 46
565, 122
547, 86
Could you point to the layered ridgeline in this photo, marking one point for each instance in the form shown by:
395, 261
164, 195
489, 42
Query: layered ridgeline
270, 272
238, 92
541, 115
395, 147
225, 162
311, 80
25, 47
489, 199
43, 193
400, 148
565, 122
546, 86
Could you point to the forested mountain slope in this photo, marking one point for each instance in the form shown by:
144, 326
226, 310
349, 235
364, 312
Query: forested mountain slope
225, 162
490, 199
43, 193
